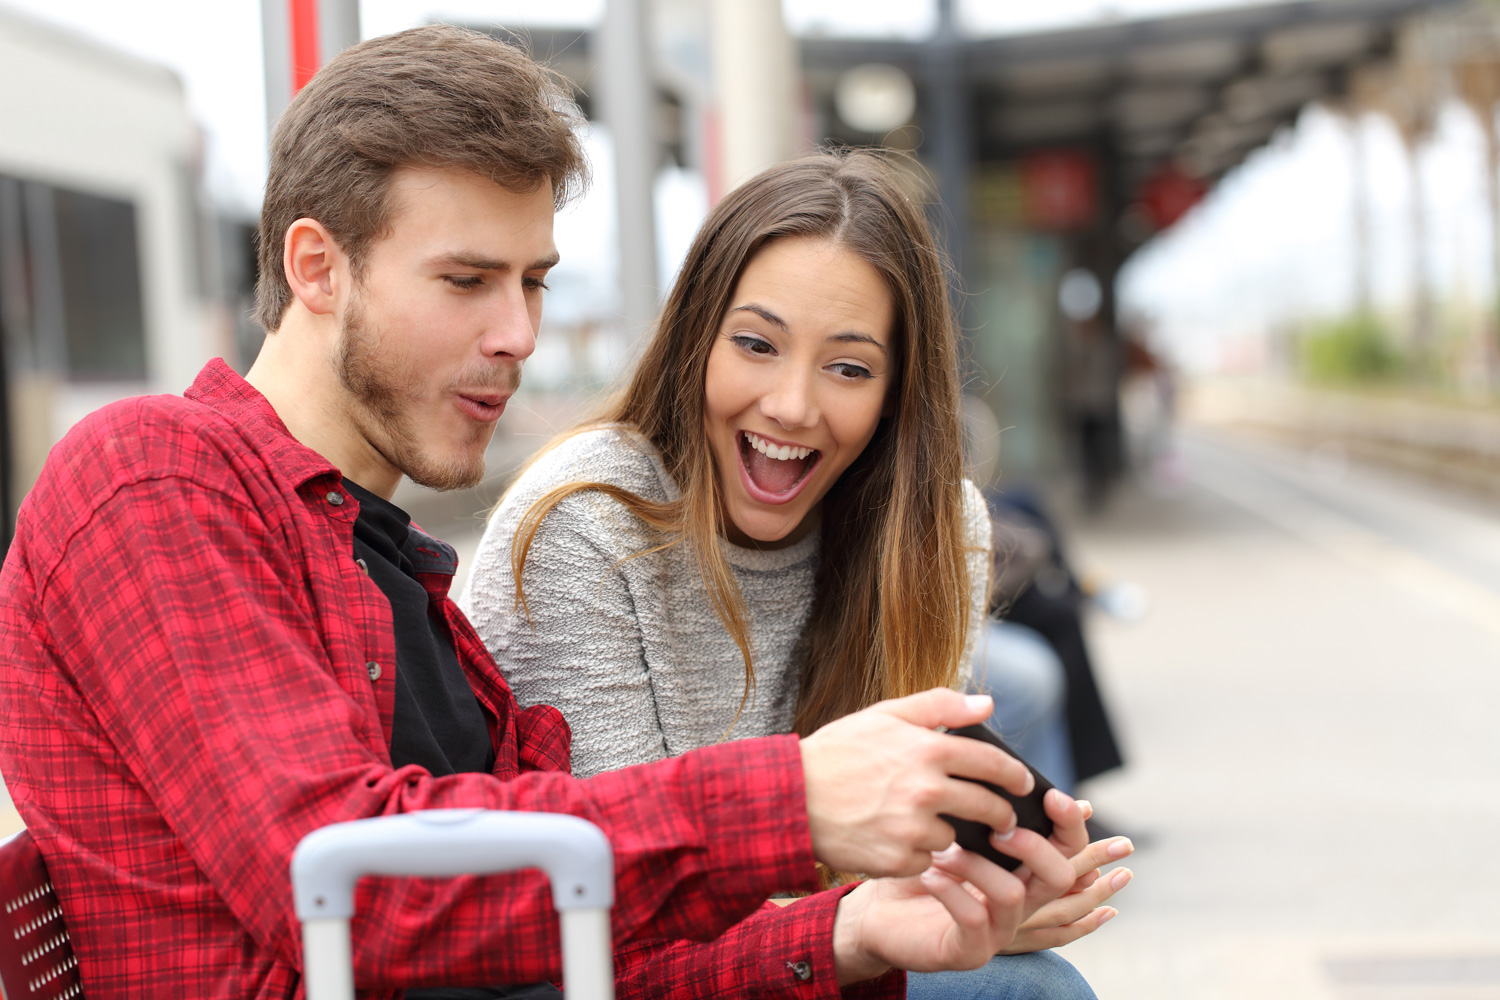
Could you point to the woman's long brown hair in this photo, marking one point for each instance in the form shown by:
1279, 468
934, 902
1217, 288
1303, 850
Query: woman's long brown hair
891, 605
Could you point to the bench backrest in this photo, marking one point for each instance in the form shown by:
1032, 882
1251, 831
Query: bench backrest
36, 954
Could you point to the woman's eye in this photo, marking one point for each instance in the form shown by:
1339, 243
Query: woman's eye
850, 371
752, 344
464, 281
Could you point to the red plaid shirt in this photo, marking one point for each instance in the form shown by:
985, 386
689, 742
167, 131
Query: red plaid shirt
197, 674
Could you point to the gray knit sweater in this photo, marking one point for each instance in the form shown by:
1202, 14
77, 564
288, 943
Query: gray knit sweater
630, 650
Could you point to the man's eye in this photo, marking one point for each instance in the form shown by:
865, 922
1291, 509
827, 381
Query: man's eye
534, 283
464, 281
752, 344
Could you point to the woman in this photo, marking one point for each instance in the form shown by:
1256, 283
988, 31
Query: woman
848, 555
770, 527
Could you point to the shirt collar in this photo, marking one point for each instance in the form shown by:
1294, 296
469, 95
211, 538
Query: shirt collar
220, 387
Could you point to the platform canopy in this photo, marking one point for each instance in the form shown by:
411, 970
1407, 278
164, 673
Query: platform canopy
1195, 91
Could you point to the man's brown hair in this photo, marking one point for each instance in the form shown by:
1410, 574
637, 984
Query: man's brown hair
437, 96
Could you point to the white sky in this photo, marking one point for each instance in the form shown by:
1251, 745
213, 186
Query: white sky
1274, 241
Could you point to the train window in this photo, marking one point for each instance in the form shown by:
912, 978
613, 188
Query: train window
101, 281
70, 283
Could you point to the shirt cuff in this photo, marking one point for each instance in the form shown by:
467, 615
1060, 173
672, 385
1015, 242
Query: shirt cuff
805, 949
753, 808
777, 953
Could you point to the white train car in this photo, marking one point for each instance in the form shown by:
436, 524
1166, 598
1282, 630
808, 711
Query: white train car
106, 261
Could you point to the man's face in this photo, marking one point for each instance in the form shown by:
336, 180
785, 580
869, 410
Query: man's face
447, 307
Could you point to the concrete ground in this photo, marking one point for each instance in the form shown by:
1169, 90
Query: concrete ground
1310, 711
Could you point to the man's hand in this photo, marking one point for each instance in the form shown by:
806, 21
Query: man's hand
876, 781
957, 914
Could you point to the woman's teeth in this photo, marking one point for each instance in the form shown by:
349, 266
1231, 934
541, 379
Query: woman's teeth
780, 452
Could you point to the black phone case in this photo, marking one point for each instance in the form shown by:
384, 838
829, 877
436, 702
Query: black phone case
973, 836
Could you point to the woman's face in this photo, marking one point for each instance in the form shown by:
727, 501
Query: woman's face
797, 381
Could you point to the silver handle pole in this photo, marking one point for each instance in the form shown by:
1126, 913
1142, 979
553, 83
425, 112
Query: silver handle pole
573, 852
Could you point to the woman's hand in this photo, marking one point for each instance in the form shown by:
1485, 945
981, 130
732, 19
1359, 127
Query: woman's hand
957, 914
1080, 910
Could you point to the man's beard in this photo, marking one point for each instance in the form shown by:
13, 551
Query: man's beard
384, 394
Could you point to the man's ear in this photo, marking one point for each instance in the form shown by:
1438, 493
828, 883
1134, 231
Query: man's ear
314, 265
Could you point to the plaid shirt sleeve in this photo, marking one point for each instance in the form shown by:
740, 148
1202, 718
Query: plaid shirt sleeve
169, 663
777, 952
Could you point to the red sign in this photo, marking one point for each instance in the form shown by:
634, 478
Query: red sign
302, 17
1061, 189
1167, 195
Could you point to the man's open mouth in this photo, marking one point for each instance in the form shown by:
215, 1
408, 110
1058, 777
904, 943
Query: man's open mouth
482, 406
775, 470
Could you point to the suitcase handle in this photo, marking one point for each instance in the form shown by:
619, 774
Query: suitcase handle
573, 852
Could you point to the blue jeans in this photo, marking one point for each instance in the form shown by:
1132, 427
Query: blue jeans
1019, 668
1039, 975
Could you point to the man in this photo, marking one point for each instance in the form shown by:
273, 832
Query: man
213, 647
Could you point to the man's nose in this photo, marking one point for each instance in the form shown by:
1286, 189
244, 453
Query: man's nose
510, 329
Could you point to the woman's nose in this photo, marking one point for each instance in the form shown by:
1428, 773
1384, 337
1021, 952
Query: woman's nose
790, 402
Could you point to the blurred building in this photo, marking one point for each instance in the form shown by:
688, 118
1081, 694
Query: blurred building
113, 277
1055, 155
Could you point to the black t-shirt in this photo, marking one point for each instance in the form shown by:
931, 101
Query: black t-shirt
438, 721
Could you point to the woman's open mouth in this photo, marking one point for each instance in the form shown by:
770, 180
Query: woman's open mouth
772, 472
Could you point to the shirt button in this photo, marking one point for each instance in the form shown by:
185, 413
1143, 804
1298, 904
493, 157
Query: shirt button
801, 970
374, 669
334, 497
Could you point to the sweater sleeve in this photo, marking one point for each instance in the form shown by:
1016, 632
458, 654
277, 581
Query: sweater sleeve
577, 644
977, 559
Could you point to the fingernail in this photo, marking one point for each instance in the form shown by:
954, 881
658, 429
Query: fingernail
1003, 837
1120, 847
1120, 879
946, 854
1085, 805
1106, 916
932, 876
979, 702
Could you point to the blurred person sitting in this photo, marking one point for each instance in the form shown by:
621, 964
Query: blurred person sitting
1036, 589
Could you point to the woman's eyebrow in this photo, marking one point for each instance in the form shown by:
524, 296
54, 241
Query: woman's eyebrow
851, 337
764, 314
847, 337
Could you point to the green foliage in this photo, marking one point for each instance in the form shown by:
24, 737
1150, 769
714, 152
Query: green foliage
1355, 349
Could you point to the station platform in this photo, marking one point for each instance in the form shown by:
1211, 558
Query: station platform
1310, 711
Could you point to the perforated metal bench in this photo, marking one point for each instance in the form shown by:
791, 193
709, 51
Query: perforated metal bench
36, 954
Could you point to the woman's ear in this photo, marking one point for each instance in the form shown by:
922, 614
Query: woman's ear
314, 265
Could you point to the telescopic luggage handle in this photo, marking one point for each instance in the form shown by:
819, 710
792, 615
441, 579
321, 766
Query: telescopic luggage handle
573, 852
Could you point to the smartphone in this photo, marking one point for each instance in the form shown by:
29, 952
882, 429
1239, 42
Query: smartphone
974, 836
